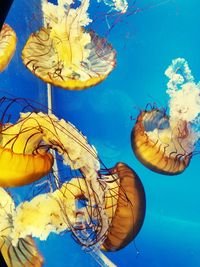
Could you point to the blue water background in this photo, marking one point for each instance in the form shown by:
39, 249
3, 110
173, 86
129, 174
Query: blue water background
145, 42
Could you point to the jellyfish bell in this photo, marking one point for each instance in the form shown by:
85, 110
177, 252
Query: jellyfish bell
63, 53
27, 162
160, 144
23, 169
125, 208
8, 42
15, 256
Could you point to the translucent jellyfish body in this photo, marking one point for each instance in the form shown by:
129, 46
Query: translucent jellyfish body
63, 53
8, 42
75, 207
25, 252
166, 143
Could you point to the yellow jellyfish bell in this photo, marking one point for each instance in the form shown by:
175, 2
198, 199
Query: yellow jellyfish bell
23, 169
63, 53
8, 42
22, 161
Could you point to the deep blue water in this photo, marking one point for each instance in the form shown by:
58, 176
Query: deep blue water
146, 43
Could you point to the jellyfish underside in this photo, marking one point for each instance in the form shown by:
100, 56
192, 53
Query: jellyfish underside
64, 54
160, 144
8, 42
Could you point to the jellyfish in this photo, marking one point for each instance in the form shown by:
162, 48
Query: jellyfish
27, 143
165, 143
8, 42
25, 252
93, 204
63, 53
37, 134
75, 207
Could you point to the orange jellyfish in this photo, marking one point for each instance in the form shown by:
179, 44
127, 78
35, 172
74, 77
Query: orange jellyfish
28, 143
166, 143
109, 223
126, 209
160, 146
8, 42
23, 159
63, 53
93, 204
39, 134
25, 253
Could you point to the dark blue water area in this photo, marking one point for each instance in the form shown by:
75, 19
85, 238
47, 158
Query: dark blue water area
146, 41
